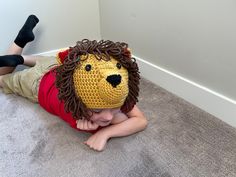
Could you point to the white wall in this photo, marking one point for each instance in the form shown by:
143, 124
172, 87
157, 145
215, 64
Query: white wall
62, 22
185, 46
195, 39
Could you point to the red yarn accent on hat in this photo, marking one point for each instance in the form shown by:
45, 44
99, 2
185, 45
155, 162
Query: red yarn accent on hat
63, 54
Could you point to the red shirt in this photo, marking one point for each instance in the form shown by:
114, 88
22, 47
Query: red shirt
48, 99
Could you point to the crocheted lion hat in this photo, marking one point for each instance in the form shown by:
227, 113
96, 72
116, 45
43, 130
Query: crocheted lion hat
97, 75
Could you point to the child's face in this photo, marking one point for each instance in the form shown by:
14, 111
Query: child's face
103, 117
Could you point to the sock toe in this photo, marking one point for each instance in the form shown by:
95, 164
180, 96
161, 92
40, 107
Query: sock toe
34, 17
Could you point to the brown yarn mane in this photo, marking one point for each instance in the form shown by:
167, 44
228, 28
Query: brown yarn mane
102, 50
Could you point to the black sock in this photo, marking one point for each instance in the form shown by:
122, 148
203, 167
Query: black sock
26, 34
11, 60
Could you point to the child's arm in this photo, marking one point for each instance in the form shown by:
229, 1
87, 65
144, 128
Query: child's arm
119, 117
135, 123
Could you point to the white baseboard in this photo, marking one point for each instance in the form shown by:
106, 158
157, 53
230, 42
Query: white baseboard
51, 52
212, 102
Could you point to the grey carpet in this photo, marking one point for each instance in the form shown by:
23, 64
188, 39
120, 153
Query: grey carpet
181, 141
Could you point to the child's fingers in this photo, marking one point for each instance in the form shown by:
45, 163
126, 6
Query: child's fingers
81, 124
94, 142
78, 124
86, 125
90, 125
94, 125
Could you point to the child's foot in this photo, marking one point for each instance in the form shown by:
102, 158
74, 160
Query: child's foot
26, 34
11, 60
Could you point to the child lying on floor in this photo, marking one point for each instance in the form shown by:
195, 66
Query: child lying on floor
93, 86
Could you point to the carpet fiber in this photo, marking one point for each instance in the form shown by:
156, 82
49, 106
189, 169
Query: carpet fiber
180, 141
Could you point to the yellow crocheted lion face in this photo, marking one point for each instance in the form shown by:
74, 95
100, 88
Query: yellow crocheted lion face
101, 84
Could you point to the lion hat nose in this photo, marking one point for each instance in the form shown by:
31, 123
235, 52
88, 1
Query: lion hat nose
114, 79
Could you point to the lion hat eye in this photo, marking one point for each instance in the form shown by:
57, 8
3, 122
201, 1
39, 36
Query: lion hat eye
88, 67
118, 65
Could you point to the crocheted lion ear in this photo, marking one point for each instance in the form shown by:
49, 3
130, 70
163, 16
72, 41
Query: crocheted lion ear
61, 56
127, 52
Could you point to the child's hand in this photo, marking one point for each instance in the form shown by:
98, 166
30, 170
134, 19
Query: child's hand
84, 124
97, 141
